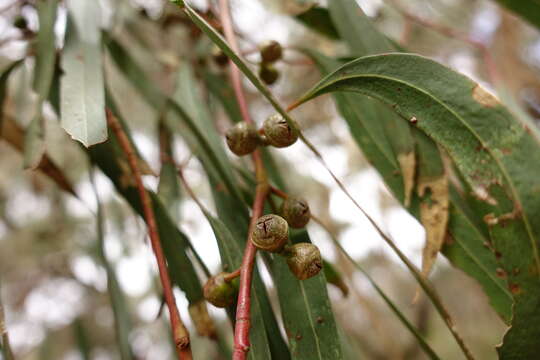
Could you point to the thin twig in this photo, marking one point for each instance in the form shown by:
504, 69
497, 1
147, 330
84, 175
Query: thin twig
180, 333
243, 307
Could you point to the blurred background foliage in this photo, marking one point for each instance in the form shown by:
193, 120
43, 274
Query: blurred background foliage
53, 277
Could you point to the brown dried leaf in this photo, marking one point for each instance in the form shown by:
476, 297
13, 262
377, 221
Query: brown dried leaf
434, 217
407, 163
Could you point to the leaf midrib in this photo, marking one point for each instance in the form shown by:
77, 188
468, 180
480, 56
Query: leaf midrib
464, 123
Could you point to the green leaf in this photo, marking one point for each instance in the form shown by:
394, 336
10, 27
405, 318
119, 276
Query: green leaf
527, 9
122, 321
496, 154
34, 142
306, 310
318, 19
111, 160
467, 250
81, 337
313, 302
82, 87
364, 39
169, 187
356, 29
45, 49
395, 309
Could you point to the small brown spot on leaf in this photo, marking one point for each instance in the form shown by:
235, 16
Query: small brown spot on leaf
500, 273
483, 97
498, 255
514, 289
298, 337
320, 319
515, 272
413, 120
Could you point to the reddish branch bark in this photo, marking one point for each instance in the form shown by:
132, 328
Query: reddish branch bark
243, 308
180, 333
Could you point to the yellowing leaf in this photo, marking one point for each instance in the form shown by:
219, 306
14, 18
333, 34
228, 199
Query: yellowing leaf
407, 163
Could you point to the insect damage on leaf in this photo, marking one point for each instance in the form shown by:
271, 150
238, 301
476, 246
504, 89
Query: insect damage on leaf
407, 163
434, 217
483, 97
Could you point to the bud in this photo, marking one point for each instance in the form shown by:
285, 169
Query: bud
296, 211
242, 138
304, 260
278, 132
268, 74
271, 51
271, 233
219, 292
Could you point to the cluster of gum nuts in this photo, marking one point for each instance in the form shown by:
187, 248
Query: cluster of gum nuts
271, 231
270, 52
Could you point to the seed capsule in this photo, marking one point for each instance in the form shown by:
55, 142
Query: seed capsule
278, 132
271, 51
271, 233
296, 211
242, 138
304, 260
219, 292
268, 74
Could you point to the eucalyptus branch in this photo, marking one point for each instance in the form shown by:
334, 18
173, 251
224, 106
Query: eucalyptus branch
180, 333
243, 307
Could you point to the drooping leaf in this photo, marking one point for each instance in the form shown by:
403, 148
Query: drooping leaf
364, 39
34, 143
122, 321
169, 187
82, 86
318, 19
45, 49
306, 311
499, 159
315, 339
81, 337
463, 251
432, 189
108, 156
527, 9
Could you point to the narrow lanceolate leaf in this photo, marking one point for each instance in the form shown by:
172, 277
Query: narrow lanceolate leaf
364, 39
45, 49
498, 158
108, 157
34, 143
307, 337
169, 187
527, 9
82, 89
318, 19
432, 188
81, 338
122, 322
307, 312
466, 251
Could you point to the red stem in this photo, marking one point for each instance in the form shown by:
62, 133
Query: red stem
243, 308
180, 333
